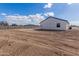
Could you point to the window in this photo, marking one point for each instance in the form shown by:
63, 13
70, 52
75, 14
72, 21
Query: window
58, 25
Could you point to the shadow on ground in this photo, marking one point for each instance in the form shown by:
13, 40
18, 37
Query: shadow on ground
48, 30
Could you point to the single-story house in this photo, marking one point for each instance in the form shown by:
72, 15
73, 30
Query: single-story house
53, 23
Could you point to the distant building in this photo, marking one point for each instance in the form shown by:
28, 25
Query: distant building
53, 23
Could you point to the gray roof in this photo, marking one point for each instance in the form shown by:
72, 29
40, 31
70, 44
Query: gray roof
55, 18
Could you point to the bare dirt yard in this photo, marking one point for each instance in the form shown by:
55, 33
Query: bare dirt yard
30, 42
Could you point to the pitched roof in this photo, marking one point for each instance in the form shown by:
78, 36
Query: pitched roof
55, 18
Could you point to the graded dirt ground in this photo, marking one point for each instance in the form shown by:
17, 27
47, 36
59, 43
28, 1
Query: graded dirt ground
30, 42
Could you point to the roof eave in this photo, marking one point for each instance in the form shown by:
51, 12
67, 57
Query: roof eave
55, 18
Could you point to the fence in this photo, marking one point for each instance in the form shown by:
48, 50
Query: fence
18, 27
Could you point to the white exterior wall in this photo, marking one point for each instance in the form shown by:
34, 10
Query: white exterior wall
51, 24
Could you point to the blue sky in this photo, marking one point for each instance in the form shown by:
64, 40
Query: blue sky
33, 12
21, 8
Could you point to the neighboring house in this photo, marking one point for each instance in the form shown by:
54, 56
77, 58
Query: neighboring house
53, 23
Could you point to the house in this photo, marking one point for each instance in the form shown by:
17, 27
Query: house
53, 23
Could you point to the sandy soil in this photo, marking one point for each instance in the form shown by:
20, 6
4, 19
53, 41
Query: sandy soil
30, 42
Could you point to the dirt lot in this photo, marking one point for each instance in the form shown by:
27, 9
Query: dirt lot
23, 42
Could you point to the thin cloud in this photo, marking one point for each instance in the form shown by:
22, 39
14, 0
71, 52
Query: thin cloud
3, 14
49, 5
49, 14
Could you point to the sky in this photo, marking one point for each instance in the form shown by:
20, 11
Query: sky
34, 13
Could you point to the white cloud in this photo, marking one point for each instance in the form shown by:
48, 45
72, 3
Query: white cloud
3, 14
22, 20
16, 19
49, 14
29, 19
38, 17
69, 3
49, 5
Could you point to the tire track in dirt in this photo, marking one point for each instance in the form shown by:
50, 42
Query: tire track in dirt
36, 36
39, 38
